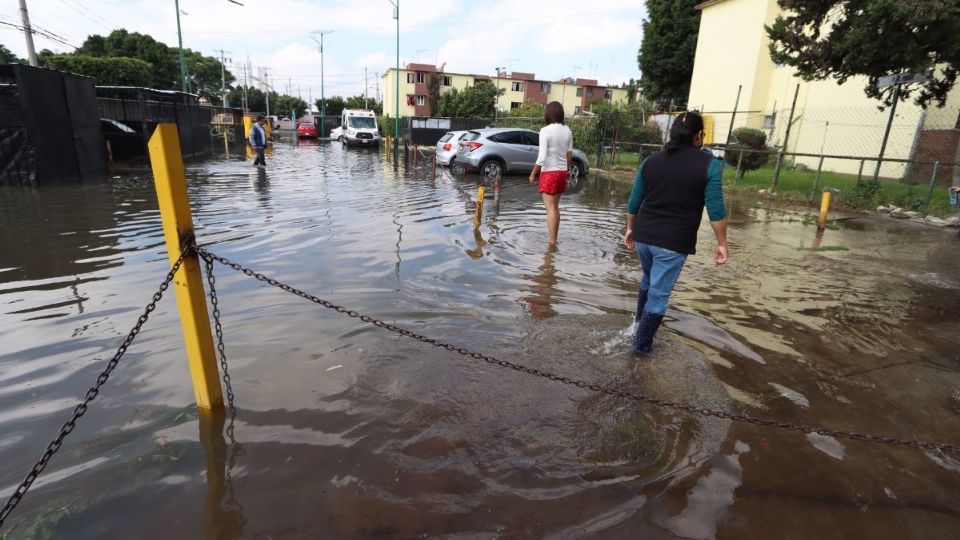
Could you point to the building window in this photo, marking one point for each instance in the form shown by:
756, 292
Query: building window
515, 104
409, 78
608, 95
544, 88
769, 121
516, 86
421, 77
579, 92
576, 110
421, 100
447, 80
589, 92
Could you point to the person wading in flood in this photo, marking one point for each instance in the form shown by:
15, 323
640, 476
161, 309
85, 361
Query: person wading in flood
258, 140
553, 162
664, 213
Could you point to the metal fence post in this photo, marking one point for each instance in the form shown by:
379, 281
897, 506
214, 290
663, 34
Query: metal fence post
739, 168
171, 185
860, 172
816, 179
786, 141
933, 184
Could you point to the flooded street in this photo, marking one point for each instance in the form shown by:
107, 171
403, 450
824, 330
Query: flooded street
344, 430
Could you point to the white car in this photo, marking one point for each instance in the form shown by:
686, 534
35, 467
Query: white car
447, 147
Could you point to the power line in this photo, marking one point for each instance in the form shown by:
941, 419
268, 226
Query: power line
89, 14
36, 30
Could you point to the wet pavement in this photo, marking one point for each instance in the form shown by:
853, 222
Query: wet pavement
345, 431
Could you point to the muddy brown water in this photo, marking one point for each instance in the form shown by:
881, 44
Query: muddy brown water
345, 431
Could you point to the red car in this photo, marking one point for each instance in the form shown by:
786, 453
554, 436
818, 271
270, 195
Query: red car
306, 128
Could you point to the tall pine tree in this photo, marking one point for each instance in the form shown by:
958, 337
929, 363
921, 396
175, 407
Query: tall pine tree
668, 49
844, 38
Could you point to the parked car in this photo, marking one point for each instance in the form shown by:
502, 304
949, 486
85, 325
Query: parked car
448, 145
497, 151
274, 121
306, 128
286, 123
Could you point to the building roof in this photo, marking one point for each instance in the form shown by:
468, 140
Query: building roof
707, 4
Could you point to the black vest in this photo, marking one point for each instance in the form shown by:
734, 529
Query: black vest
674, 186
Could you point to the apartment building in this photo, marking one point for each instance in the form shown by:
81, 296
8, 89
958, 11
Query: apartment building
576, 95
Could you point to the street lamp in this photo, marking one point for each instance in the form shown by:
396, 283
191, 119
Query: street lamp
396, 92
496, 102
184, 82
323, 100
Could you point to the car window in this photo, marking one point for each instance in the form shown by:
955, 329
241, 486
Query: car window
508, 137
533, 139
446, 137
470, 136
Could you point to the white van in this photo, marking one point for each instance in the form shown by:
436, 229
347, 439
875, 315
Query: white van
358, 127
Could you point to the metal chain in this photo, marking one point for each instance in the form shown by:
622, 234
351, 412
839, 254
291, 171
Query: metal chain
663, 403
235, 447
92, 393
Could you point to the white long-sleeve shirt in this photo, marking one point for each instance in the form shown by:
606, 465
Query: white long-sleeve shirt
555, 141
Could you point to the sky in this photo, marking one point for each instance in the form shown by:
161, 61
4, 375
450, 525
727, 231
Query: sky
551, 38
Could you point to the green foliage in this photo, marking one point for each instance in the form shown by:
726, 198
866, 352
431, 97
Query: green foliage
668, 48
840, 39
284, 104
358, 102
745, 138
476, 101
105, 71
335, 105
203, 71
256, 99
6, 55
433, 92
633, 89
529, 109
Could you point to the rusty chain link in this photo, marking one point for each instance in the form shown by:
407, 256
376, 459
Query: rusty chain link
92, 393
663, 403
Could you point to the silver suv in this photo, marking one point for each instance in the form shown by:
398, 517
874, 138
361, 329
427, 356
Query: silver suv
496, 151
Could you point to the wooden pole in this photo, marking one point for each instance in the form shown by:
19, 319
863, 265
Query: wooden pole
478, 213
171, 186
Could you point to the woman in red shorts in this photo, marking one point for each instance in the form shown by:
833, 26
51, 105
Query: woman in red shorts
553, 161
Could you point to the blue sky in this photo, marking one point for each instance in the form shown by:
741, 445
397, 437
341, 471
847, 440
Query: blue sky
552, 38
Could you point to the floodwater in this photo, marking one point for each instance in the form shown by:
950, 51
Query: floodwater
343, 430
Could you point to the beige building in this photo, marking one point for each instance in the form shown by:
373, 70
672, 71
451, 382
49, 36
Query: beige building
830, 118
576, 95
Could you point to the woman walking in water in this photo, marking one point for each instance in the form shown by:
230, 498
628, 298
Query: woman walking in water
664, 213
553, 161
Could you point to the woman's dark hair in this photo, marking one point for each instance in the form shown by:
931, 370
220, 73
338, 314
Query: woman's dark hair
685, 127
553, 114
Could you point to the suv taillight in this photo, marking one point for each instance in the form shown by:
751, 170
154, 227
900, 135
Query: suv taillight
446, 147
471, 146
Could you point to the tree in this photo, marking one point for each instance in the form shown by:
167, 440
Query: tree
256, 99
6, 55
632, 89
668, 48
433, 92
284, 104
335, 105
204, 74
106, 71
748, 139
840, 39
529, 109
476, 101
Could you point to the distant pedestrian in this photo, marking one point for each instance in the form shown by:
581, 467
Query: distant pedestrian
553, 162
258, 140
663, 216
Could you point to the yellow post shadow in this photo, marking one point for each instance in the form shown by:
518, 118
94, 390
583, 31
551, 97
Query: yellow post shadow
824, 208
171, 185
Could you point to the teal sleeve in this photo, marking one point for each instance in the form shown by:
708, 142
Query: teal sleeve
714, 192
636, 195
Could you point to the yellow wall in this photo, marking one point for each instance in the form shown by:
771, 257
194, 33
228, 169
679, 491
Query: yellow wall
566, 94
388, 93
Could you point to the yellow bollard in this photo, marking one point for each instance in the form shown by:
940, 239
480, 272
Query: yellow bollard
171, 185
478, 213
824, 208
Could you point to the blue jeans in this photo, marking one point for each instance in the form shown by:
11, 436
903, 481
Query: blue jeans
661, 268
260, 160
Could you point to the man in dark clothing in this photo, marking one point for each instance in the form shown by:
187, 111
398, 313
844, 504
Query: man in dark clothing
663, 215
258, 140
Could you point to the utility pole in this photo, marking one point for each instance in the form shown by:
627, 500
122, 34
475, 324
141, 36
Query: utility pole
396, 91
496, 103
265, 80
28, 33
376, 77
323, 100
366, 85
223, 76
184, 80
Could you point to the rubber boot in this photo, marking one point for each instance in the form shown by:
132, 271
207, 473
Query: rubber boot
646, 328
641, 302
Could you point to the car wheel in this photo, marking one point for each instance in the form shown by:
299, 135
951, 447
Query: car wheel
491, 169
574, 174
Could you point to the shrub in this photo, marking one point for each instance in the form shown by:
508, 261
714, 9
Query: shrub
748, 139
